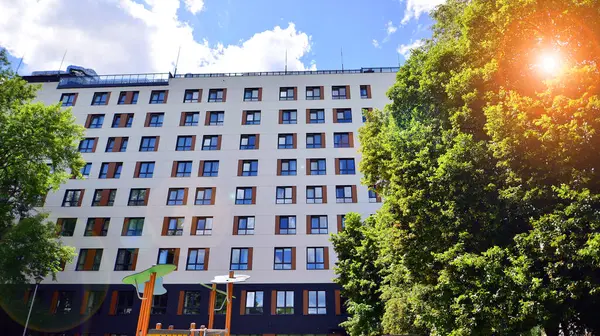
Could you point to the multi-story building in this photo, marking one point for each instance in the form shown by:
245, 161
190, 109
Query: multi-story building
211, 172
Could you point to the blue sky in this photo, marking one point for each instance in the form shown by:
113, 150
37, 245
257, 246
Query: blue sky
117, 36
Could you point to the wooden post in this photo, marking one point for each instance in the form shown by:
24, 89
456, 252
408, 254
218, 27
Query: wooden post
158, 326
171, 327
211, 305
148, 295
141, 317
229, 298
193, 325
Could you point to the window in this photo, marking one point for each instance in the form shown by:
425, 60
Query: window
216, 95
285, 141
341, 140
126, 259
289, 117
316, 303
248, 141
124, 302
240, 259
66, 226
196, 259
110, 170
252, 94
254, 302
174, 226
68, 99
64, 304
158, 97
137, 197
318, 224
342, 116
202, 226
100, 98
315, 195
251, 118
210, 168
110, 144
96, 227
346, 167
204, 196
286, 225
155, 119
244, 225
216, 118
148, 144
167, 256
283, 258
249, 168
89, 260
122, 120
316, 116
211, 142
313, 93
104, 197
287, 93
190, 118
133, 226
183, 168
191, 303
159, 305
94, 300
176, 196
344, 194
287, 167
87, 145
185, 143
244, 195
96, 121
285, 303
315, 140
373, 197
86, 169
317, 167
146, 170
192, 96
72, 198
285, 195
128, 97
315, 258
365, 91
339, 92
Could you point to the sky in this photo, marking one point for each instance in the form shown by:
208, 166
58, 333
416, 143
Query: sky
145, 36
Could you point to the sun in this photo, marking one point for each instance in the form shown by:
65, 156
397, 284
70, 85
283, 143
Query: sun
549, 63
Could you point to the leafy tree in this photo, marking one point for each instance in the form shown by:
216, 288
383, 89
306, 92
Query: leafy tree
488, 162
37, 153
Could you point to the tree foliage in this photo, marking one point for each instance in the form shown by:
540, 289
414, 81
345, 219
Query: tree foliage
489, 169
38, 151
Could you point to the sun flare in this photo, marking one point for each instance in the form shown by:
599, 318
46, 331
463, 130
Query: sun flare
549, 63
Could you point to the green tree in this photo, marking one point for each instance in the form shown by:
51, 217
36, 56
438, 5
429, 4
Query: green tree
38, 151
488, 162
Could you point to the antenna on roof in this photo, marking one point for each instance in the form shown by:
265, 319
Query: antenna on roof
342, 57
61, 62
285, 60
177, 61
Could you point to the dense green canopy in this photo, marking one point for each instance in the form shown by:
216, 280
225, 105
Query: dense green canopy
488, 160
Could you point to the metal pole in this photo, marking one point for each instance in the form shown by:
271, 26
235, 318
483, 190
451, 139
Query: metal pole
229, 307
30, 308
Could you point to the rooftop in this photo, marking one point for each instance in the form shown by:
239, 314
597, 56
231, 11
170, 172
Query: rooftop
66, 81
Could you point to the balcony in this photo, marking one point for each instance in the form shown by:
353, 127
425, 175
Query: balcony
114, 80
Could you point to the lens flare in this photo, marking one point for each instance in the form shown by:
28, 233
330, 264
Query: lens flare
549, 63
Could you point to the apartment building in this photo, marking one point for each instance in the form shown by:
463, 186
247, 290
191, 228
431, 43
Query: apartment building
248, 172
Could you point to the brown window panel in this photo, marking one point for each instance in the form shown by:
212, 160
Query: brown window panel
243, 303
354, 194
113, 303
305, 302
180, 302
338, 302
339, 223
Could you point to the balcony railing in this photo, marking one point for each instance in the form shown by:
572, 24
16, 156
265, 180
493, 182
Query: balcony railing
114, 80
281, 73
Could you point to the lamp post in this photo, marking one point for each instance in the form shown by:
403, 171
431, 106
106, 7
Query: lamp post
38, 280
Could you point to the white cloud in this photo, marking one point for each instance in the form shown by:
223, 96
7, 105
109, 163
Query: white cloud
414, 8
376, 44
405, 49
390, 28
124, 36
194, 6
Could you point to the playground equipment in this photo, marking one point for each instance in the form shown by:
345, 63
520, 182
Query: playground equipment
229, 280
145, 281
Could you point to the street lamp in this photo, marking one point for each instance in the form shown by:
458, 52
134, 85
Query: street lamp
38, 280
